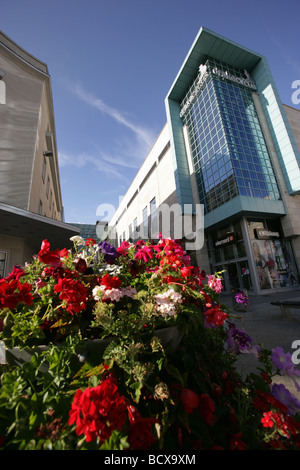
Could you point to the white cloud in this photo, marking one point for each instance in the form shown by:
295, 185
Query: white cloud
124, 151
142, 134
81, 160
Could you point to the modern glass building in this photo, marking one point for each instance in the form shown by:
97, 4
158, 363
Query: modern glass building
234, 148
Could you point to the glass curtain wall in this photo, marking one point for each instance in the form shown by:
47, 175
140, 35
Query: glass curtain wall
229, 152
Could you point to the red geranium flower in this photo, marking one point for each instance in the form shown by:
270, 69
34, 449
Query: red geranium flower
81, 266
123, 248
73, 293
90, 242
98, 411
189, 400
236, 442
52, 258
207, 409
186, 271
14, 292
111, 282
140, 433
215, 316
16, 273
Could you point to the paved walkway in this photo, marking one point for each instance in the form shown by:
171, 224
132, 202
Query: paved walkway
264, 324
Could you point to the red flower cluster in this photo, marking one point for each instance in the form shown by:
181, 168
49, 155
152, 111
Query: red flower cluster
215, 316
173, 254
90, 242
72, 293
275, 416
111, 282
98, 411
14, 292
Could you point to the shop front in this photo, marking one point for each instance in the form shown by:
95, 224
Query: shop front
252, 255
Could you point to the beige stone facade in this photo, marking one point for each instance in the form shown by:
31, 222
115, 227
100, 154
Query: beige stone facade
28, 180
31, 206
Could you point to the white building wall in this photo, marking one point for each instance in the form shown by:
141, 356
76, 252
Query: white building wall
159, 184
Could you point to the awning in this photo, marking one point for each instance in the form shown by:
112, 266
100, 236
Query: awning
34, 228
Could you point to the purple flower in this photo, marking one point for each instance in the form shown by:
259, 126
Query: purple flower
282, 394
238, 341
109, 251
283, 362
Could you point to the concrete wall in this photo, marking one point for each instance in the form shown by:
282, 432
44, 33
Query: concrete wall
18, 252
45, 190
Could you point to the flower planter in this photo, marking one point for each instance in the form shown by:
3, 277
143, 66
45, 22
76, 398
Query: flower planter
17, 357
170, 337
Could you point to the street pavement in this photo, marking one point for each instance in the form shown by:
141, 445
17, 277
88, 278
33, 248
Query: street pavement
263, 322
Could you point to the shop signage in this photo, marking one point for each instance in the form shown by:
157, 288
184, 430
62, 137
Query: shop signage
262, 234
201, 79
248, 82
226, 241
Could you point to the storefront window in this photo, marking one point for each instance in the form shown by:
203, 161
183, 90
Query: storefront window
272, 255
228, 252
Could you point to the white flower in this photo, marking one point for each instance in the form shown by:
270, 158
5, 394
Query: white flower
166, 302
129, 291
97, 292
100, 292
77, 239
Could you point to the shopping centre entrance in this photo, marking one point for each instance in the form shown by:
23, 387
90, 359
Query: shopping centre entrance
253, 255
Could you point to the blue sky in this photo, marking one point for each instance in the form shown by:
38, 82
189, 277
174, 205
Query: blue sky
112, 64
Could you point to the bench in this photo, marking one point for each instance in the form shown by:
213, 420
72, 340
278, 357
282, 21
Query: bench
285, 306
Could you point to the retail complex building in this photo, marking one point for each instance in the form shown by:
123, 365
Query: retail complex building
232, 148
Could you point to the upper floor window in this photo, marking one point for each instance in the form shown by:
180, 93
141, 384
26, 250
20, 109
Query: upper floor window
2, 88
48, 186
41, 208
44, 169
3, 257
2, 92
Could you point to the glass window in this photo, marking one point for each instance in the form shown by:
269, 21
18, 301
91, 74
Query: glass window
3, 256
145, 223
153, 219
40, 208
44, 169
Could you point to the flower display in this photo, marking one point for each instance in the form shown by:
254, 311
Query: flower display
131, 348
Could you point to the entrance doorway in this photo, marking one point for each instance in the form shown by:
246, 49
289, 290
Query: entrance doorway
237, 276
